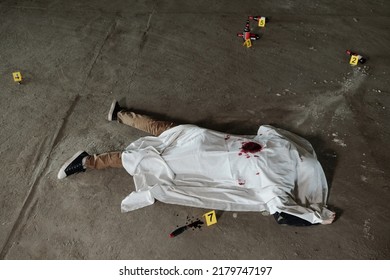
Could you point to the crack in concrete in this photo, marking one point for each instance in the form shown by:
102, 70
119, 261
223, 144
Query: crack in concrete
29, 203
150, 18
27, 8
144, 37
141, 46
36, 178
60, 131
110, 31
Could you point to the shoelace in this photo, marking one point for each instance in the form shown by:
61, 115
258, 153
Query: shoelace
75, 167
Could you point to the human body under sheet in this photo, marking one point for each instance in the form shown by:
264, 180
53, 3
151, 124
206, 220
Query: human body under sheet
274, 171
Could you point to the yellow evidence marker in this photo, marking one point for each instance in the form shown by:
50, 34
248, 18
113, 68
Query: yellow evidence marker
248, 43
210, 217
262, 22
354, 60
17, 77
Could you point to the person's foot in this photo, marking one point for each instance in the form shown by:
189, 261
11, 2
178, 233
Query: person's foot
114, 109
73, 165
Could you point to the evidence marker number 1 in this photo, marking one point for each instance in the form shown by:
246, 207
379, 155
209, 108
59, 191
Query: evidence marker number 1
17, 77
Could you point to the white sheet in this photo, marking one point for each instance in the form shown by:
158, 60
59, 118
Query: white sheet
193, 166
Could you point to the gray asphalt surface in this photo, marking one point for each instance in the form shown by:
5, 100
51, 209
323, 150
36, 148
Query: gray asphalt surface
182, 61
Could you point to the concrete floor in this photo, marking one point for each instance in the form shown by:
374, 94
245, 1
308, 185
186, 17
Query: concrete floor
181, 60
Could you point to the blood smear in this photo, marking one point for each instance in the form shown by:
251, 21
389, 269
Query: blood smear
250, 147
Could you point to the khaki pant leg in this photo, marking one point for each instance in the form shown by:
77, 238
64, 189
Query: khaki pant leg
106, 160
144, 123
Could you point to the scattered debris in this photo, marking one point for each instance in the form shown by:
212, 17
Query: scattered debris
286, 92
367, 230
355, 58
338, 141
247, 36
260, 20
265, 213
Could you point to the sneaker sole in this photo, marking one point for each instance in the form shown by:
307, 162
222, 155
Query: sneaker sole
110, 113
61, 173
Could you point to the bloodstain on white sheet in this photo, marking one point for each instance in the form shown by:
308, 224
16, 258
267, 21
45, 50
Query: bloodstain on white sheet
249, 148
241, 182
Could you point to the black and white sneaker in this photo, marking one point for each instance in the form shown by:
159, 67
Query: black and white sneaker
114, 109
73, 165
